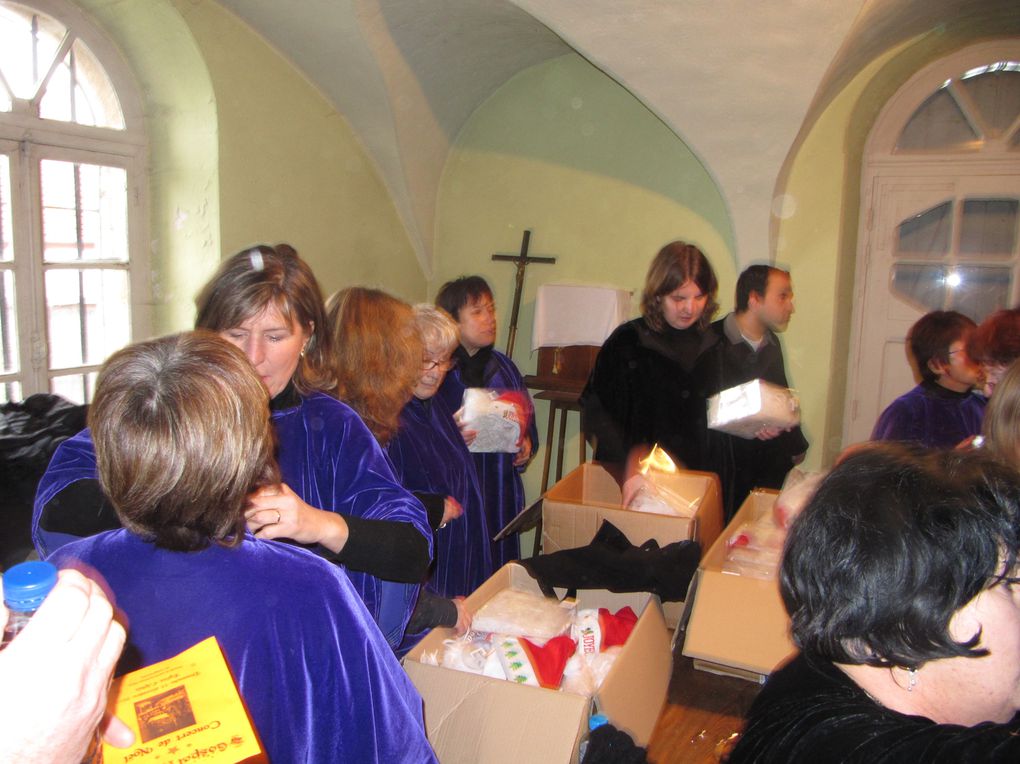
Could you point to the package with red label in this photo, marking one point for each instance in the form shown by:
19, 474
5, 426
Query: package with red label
497, 417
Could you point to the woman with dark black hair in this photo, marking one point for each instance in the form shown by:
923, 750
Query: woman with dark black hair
900, 578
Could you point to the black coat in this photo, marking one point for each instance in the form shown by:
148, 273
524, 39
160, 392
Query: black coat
650, 387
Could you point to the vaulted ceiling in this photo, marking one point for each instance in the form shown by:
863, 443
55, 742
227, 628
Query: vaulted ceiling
736, 80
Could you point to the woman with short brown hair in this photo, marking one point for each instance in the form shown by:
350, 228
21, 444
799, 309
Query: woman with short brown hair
182, 437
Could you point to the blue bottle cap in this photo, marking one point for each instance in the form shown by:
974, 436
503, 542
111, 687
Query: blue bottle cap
597, 720
27, 584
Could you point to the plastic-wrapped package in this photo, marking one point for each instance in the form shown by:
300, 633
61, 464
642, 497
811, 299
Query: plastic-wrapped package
745, 409
499, 417
523, 614
658, 493
798, 488
755, 549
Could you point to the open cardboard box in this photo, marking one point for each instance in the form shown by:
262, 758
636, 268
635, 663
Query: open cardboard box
472, 718
738, 625
574, 508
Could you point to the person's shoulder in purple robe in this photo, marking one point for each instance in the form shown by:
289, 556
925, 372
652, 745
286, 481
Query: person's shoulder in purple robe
327, 456
317, 677
931, 415
429, 456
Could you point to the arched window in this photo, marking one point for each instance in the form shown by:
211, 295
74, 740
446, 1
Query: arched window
940, 215
73, 275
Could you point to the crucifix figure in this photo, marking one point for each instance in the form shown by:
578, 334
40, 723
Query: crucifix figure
521, 261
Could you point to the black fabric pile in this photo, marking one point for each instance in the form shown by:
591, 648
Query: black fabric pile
611, 562
30, 432
608, 745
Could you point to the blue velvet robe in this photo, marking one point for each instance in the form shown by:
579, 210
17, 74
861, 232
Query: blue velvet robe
429, 456
502, 488
318, 679
327, 456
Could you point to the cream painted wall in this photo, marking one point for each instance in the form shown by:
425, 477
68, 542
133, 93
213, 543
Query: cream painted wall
819, 226
180, 111
243, 149
603, 183
290, 167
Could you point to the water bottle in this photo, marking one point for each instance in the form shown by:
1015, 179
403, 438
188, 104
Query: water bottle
25, 587
594, 721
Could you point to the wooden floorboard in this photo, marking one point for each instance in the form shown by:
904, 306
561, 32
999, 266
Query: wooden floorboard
702, 713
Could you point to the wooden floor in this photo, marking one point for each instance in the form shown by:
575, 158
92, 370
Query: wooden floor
703, 711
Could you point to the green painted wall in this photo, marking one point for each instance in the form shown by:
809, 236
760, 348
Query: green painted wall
564, 150
180, 111
244, 150
290, 167
821, 224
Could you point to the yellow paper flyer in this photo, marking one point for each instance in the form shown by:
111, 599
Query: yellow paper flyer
183, 709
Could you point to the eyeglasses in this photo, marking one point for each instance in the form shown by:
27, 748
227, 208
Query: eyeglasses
429, 365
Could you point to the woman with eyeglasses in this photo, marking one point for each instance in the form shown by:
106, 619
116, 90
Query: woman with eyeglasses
428, 453
390, 360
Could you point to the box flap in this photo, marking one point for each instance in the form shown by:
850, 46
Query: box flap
472, 719
633, 693
737, 621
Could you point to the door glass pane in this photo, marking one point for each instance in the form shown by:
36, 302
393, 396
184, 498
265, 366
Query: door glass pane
979, 292
77, 388
8, 325
997, 96
988, 228
937, 124
6, 227
922, 285
926, 235
84, 212
87, 315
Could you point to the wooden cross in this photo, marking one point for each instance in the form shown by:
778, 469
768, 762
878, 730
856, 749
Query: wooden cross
521, 261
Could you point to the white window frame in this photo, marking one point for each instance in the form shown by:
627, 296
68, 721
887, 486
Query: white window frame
27, 140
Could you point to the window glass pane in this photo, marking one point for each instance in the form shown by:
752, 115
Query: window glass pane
937, 124
28, 43
80, 91
87, 313
980, 291
84, 212
988, 228
997, 95
926, 235
6, 244
8, 325
10, 391
77, 388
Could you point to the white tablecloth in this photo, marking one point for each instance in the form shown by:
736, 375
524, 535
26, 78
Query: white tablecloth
570, 314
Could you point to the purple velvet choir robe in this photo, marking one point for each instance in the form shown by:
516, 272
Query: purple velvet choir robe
502, 488
429, 456
317, 677
328, 458
931, 415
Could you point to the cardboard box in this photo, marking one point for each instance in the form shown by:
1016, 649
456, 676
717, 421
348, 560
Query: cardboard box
738, 625
472, 718
574, 508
